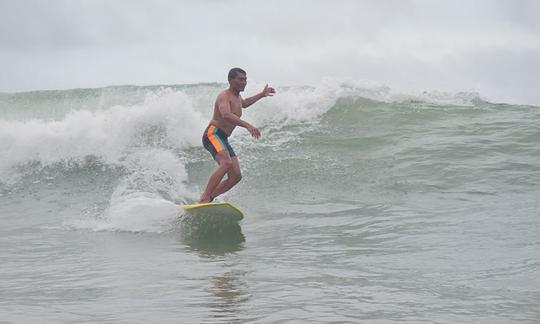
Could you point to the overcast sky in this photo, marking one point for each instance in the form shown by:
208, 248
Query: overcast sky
491, 46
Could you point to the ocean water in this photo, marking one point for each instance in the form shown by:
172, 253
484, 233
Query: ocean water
362, 206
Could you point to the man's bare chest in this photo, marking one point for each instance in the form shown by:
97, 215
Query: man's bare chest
236, 107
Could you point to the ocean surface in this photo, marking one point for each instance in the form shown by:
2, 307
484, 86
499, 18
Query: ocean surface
362, 205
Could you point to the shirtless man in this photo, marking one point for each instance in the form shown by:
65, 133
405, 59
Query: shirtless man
227, 113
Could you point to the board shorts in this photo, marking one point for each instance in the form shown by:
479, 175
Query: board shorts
215, 140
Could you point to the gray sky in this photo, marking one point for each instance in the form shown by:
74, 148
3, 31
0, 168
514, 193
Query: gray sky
488, 46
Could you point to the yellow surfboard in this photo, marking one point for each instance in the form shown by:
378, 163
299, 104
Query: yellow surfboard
219, 209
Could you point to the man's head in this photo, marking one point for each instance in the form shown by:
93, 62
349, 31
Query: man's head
237, 79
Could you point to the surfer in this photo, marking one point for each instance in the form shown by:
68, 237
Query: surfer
227, 115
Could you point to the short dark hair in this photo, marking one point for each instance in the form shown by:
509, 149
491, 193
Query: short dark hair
234, 72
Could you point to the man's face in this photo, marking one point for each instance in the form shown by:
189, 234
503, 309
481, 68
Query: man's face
239, 83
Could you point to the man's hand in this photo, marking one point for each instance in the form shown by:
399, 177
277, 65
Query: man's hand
254, 131
268, 91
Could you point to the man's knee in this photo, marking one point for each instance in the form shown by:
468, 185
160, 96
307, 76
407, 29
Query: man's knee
237, 177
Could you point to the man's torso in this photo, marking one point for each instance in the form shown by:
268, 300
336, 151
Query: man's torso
235, 103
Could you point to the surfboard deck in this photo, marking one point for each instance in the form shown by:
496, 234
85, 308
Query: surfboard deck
219, 209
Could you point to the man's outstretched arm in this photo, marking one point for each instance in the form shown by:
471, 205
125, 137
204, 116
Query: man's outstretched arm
267, 91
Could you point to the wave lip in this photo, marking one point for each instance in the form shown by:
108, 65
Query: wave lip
165, 119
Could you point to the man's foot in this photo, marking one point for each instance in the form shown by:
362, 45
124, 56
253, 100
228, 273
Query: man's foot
206, 200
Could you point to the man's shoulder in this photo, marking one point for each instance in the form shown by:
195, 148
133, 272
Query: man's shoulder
227, 95
224, 94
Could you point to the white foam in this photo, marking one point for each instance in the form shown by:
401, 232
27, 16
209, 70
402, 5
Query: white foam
141, 139
139, 212
108, 134
135, 212
143, 201
301, 104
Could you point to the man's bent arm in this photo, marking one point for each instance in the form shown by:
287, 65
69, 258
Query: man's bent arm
225, 111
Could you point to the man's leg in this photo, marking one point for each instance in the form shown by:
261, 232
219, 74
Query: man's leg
233, 177
225, 164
